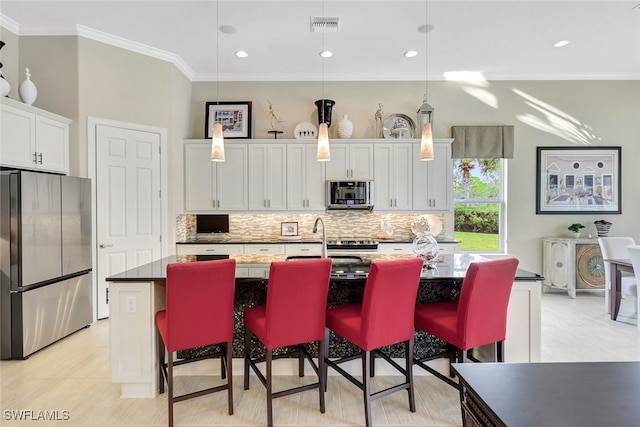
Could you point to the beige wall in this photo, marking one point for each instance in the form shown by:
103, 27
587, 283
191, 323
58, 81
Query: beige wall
121, 85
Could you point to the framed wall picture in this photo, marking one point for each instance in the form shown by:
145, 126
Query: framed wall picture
235, 118
578, 180
288, 228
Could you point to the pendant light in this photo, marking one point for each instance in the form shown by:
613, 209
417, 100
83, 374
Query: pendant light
425, 113
324, 153
217, 138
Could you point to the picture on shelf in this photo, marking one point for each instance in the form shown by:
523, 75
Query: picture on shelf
235, 118
288, 228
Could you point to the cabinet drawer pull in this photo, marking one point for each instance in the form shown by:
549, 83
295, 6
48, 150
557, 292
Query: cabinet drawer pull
211, 250
35, 157
40, 158
263, 250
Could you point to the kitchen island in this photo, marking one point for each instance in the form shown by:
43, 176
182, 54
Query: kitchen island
137, 294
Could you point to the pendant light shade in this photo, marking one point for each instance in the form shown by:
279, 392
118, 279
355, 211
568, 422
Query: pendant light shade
217, 144
426, 143
323, 155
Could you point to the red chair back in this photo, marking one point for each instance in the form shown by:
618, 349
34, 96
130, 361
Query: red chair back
199, 303
389, 302
484, 299
297, 301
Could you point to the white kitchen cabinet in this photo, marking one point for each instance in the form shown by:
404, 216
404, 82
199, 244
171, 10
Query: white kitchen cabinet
215, 186
263, 249
267, 177
32, 138
209, 249
350, 161
433, 180
305, 178
397, 248
393, 177
303, 249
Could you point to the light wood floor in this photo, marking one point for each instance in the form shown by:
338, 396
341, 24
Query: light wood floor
74, 375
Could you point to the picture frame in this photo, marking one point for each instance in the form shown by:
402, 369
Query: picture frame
235, 117
288, 228
578, 180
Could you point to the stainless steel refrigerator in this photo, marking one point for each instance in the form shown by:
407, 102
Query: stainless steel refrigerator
45, 257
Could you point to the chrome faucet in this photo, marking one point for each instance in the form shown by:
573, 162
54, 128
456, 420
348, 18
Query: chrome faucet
323, 253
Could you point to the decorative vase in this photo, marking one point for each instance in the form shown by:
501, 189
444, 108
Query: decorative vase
325, 107
5, 87
602, 227
345, 127
27, 89
576, 235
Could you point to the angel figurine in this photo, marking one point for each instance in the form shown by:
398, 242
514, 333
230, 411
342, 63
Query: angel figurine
277, 125
378, 118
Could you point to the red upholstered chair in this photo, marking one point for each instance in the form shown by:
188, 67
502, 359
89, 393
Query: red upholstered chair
199, 312
293, 315
384, 317
478, 318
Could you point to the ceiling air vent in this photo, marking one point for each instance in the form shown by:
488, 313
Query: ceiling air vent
324, 24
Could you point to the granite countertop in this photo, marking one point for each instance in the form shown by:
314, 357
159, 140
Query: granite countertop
453, 266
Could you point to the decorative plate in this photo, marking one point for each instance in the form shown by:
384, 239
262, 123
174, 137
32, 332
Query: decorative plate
426, 224
305, 130
398, 126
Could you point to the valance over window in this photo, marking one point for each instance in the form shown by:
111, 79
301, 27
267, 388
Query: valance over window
482, 142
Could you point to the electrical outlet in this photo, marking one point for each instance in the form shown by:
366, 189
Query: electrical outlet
132, 304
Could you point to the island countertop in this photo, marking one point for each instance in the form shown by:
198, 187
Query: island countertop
453, 266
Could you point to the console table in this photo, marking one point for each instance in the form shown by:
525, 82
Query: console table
571, 264
549, 394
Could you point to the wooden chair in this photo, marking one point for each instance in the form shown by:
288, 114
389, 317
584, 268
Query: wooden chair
384, 317
478, 318
293, 316
199, 312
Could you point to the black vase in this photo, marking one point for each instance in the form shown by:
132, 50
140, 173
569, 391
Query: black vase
324, 110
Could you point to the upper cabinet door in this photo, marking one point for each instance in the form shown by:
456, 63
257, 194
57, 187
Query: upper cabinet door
267, 176
52, 144
350, 161
18, 142
393, 177
199, 178
305, 178
231, 178
432, 180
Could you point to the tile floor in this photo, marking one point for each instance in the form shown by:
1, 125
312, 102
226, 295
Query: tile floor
74, 376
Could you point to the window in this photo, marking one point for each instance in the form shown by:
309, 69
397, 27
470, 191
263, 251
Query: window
478, 193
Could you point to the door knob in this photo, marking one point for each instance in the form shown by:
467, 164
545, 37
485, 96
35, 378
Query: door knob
102, 246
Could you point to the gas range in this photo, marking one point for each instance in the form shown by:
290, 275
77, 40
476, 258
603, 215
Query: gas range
352, 245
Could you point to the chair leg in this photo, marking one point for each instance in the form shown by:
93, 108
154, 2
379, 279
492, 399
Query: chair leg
170, 389
160, 350
321, 374
366, 386
247, 355
500, 351
268, 359
300, 361
223, 368
408, 354
229, 354
325, 356
372, 368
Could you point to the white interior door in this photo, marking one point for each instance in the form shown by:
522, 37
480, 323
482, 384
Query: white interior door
128, 203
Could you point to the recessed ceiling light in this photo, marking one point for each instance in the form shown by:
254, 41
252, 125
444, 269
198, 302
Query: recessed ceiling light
561, 43
241, 54
426, 28
227, 29
410, 53
326, 54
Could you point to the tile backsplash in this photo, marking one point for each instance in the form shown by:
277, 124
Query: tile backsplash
340, 224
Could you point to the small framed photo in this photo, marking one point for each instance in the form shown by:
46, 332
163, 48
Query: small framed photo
289, 228
578, 180
235, 118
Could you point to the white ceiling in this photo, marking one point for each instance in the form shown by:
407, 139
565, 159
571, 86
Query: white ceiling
499, 40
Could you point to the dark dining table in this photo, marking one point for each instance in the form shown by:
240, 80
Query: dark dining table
617, 267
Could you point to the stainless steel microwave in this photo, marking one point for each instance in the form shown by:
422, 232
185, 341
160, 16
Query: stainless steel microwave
350, 195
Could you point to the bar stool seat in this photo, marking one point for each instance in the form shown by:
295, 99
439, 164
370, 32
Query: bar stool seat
293, 316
